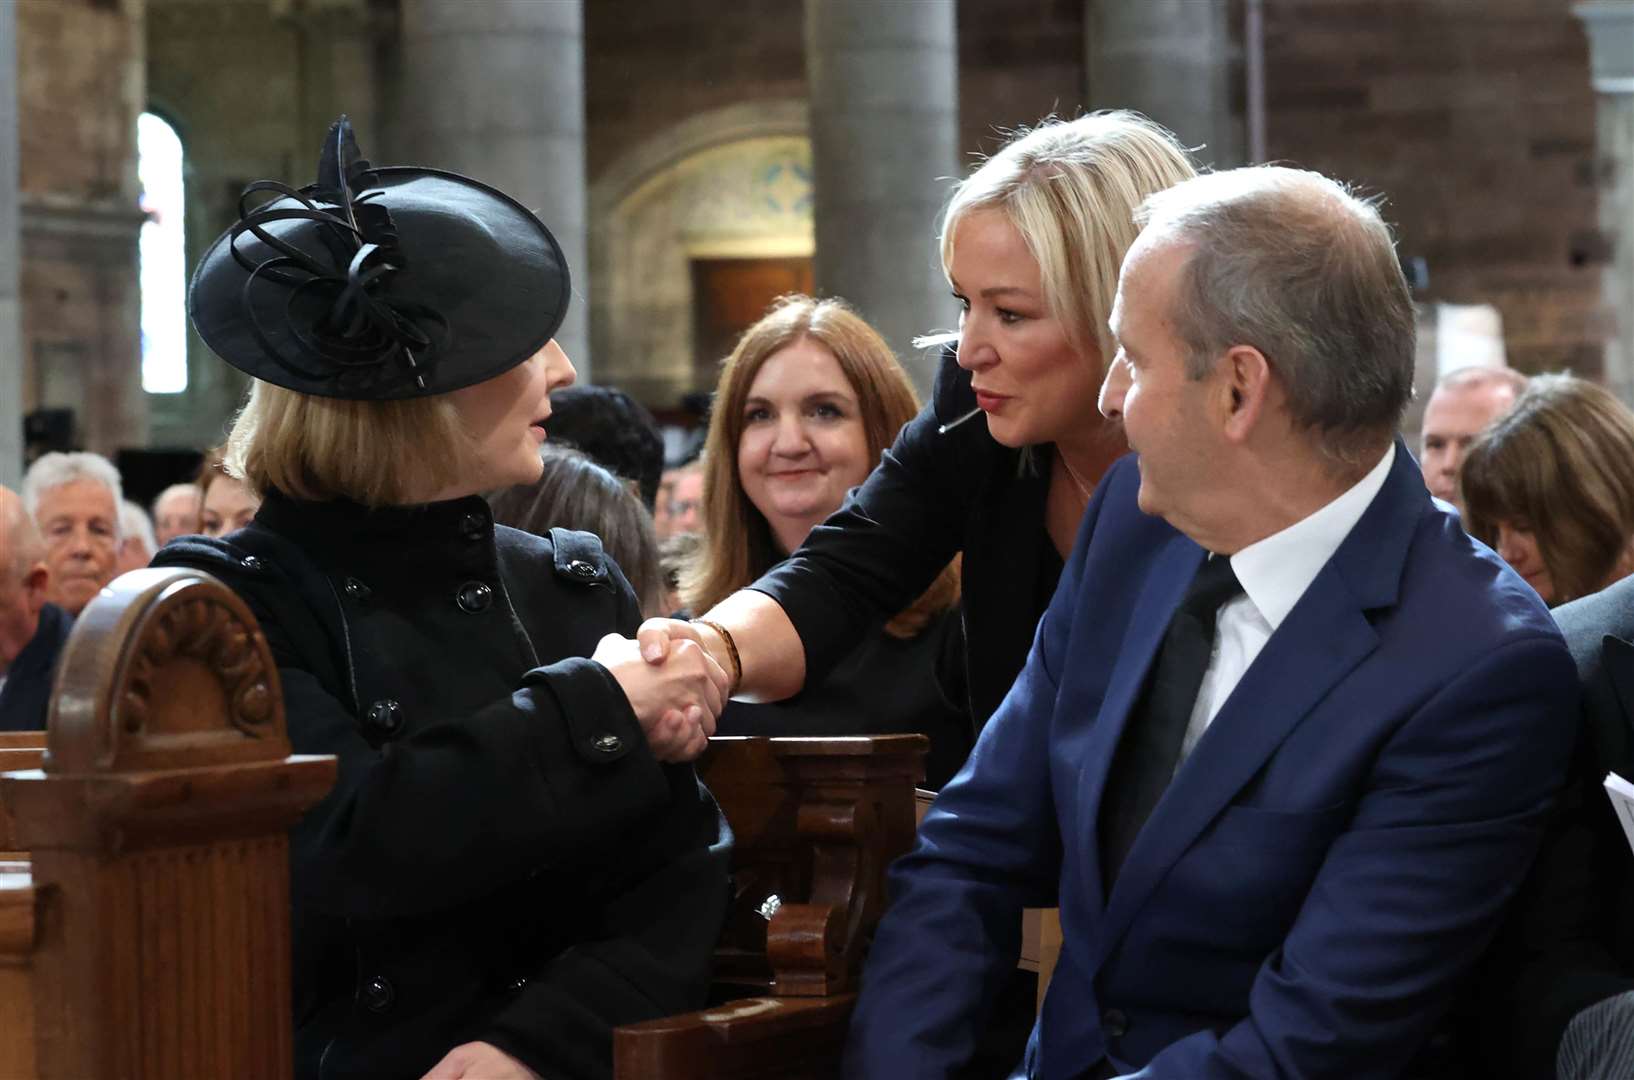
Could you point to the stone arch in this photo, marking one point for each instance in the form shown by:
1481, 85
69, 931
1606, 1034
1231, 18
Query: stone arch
730, 183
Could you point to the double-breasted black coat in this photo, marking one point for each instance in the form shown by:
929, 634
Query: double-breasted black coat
501, 859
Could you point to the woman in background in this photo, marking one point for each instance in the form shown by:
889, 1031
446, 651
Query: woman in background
226, 503
1550, 487
806, 404
573, 492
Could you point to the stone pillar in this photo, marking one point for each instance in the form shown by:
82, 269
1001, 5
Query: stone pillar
1172, 60
496, 91
1610, 28
885, 132
11, 248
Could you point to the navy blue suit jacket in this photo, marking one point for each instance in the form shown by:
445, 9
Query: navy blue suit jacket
1324, 869
25, 699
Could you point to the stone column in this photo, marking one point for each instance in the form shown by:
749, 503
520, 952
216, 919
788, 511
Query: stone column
11, 249
1610, 28
885, 131
495, 90
1173, 61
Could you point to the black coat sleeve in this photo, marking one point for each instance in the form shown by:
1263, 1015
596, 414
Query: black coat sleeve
465, 803
885, 545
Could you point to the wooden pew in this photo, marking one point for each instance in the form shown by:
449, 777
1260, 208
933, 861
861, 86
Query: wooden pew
147, 934
817, 821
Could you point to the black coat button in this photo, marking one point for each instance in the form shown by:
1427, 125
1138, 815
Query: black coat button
474, 596
356, 589
473, 526
1115, 1023
582, 570
250, 563
385, 717
378, 994
608, 744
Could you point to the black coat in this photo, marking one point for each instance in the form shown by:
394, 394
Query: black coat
25, 698
932, 497
1569, 938
501, 859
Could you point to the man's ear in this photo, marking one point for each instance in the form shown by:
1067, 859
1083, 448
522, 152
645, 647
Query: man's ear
1246, 388
34, 586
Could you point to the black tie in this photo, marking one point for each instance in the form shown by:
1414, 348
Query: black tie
1150, 749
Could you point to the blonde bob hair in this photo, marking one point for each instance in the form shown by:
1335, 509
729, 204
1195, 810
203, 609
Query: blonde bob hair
1560, 464
1071, 189
378, 453
738, 543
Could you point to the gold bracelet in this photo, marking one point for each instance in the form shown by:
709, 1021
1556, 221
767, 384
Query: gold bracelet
731, 649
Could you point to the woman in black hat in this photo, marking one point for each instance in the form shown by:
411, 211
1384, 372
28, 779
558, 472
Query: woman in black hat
503, 871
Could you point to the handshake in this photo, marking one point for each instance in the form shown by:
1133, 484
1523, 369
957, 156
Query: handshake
675, 683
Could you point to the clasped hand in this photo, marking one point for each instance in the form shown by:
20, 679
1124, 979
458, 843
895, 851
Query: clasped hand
675, 687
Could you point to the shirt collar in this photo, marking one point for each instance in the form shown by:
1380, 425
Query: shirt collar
1276, 571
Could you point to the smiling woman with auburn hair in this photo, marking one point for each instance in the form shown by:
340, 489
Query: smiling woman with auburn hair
807, 402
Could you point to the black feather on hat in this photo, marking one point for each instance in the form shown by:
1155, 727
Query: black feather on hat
378, 284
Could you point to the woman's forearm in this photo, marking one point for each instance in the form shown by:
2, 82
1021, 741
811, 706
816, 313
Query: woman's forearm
769, 648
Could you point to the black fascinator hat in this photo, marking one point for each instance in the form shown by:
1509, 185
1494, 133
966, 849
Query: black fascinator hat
379, 283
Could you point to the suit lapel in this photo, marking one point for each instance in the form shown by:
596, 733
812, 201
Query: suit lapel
1615, 734
1321, 641
1171, 574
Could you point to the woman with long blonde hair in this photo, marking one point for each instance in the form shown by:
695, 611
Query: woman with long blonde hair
1000, 465
806, 404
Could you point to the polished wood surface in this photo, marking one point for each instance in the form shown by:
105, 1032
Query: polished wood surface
150, 925
816, 822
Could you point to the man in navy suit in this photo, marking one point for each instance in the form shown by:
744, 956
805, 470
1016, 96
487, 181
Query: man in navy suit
1286, 737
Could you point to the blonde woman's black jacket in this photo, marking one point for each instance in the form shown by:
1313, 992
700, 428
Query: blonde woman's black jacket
932, 497
501, 858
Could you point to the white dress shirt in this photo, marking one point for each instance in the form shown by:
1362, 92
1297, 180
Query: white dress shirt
1274, 572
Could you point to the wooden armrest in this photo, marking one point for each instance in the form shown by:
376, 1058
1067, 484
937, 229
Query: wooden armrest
778, 1038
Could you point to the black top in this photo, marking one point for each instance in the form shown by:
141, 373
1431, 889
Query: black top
25, 698
1568, 941
885, 686
501, 858
932, 497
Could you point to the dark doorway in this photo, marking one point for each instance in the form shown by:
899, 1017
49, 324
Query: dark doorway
728, 296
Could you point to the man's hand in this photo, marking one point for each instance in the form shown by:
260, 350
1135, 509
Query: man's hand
479, 1061
676, 699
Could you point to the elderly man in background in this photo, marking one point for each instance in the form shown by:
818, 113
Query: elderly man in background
1286, 738
74, 499
1463, 403
176, 513
138, 543
32, 631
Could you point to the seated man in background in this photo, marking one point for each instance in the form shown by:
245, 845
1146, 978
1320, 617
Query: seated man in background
1558, 990
176, 513
74, 499
138, 543
32, 631
1287, 735
1463, 403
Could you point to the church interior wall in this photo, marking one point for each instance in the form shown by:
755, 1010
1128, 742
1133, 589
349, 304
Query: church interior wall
1477, 122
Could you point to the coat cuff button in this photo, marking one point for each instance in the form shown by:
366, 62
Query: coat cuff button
608, 744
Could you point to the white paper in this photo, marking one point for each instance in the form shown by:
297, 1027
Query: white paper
1622, 798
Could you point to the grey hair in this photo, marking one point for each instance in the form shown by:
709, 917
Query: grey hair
56, 469
1296, 266
186, 487
134, 522
23, 542
1476, 376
